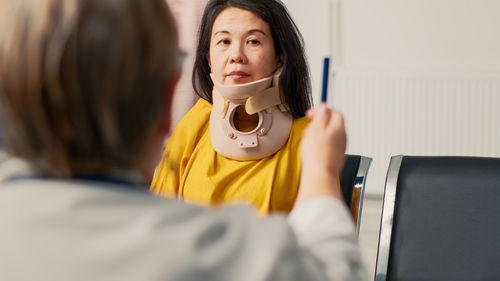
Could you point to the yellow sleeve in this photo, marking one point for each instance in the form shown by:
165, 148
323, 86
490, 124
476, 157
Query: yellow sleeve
180, 146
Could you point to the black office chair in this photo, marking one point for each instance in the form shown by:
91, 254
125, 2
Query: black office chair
352, 183
440, 219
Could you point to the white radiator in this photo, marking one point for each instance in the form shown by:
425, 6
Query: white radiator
389, 113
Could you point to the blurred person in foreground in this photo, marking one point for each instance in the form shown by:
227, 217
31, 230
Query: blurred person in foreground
85, 92
187, 15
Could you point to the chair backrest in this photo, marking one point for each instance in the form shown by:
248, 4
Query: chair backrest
352, 183
440, 219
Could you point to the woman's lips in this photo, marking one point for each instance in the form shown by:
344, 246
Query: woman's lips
237, 75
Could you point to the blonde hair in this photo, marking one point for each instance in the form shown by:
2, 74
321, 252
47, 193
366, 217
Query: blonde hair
82, 82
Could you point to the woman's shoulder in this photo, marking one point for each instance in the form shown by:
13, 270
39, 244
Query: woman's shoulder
201, 108
197, 116
301, 123
194, 122
298, 127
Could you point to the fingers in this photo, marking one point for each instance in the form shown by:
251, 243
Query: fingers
311, 112
329, 121
325, 115
337, 127
320, 115
336, 120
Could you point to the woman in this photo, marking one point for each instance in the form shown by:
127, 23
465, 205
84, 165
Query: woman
240, 141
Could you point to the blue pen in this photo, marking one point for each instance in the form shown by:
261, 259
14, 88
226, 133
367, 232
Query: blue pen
324, 92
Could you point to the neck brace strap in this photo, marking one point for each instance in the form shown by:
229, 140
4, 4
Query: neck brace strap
259, 95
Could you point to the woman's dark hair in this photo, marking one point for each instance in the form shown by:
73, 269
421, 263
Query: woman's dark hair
295, 86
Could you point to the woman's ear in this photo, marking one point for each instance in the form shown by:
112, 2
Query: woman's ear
279, 61
207, 56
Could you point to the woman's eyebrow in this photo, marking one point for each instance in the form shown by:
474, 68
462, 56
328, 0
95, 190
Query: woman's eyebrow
257, 31
221, 32
251, 31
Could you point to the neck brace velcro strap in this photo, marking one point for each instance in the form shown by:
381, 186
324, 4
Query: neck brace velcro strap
242, 91
265, 100
263, 94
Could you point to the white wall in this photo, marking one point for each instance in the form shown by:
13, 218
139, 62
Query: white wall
413, 77
314, 22
438, 34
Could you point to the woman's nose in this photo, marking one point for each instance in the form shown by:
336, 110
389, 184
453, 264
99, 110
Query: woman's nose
237, 55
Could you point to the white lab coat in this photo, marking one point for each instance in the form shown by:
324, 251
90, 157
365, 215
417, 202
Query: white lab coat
93, 230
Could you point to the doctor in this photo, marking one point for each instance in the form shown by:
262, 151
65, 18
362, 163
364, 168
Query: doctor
85, 92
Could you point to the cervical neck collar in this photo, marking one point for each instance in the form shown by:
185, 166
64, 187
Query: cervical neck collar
260, 97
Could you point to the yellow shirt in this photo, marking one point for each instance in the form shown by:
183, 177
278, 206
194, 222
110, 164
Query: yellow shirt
191, 169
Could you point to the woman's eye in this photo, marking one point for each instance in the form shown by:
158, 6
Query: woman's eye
223, 42
253, 42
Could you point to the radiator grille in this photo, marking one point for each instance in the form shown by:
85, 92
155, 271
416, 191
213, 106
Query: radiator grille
411, 113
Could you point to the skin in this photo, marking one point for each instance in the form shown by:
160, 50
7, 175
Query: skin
241, 48
322, 150
241, 51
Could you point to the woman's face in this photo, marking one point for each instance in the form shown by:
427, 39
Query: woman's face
241, 48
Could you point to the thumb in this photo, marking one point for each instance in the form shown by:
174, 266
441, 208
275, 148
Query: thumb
321, 115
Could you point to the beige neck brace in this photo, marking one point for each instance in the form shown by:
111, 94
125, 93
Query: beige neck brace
259, 97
